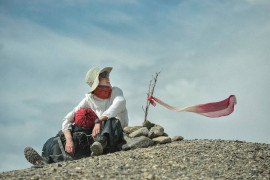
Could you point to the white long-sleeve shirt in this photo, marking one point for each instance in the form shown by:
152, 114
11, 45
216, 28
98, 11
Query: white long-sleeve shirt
115, 106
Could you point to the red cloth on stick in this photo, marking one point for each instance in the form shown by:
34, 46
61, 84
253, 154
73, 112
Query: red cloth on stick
213, 109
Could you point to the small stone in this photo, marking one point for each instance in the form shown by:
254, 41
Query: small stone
162, 140
148, 124
177, 138
37, 166
150, 177
140, 132
57, 178
36, 177
131, 129
78, 170
156, 131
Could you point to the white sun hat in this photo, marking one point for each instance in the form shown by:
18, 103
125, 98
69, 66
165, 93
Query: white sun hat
91, 77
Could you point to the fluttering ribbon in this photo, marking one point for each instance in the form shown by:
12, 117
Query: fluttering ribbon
212, 110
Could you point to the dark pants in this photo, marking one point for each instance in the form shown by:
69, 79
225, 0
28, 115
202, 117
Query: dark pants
111, 137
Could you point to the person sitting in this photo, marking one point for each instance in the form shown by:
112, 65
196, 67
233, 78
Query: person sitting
104, 132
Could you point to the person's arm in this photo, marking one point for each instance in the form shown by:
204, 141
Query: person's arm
66, 126
96, 129
69, 148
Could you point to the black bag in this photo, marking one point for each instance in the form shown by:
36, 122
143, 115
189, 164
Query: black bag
111, 129
54, 148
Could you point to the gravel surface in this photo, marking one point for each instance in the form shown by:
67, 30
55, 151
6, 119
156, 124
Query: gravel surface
187, 159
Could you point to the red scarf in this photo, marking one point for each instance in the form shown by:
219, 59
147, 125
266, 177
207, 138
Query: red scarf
103, 92
213, 110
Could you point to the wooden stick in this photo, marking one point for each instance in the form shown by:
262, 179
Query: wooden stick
150, 93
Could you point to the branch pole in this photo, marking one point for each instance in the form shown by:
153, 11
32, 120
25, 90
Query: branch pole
151, 89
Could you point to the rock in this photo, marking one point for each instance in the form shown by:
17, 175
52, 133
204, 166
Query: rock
138, 142
126, 137
78, 168
162, 140
148, 124
177, 138
131, 129
156, 131
125, 147
140, 132
150, 177
165, 134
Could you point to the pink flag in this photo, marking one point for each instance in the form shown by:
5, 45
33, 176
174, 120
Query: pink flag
213, 109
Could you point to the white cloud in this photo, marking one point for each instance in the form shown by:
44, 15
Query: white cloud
205, 55
37, 43
260, 2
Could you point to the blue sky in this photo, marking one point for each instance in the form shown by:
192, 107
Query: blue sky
206, 50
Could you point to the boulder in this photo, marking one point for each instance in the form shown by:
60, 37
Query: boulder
162, 140
156, 131
140, 132
138, 142
131, 129
177, 138
126, 137
165, 134
148, 124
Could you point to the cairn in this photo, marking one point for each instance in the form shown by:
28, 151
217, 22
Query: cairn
149, 134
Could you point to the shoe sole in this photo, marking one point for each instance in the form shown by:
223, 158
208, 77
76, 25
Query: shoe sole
32, 156
96, 149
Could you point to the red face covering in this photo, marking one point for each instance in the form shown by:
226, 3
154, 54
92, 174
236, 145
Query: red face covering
103, 92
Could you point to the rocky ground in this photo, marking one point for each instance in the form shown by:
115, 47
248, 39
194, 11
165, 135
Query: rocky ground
187, 159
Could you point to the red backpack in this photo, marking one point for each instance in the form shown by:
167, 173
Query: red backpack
85, 118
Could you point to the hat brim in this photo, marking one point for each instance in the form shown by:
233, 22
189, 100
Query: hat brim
96, 81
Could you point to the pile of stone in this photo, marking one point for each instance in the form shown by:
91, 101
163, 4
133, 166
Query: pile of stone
148, 134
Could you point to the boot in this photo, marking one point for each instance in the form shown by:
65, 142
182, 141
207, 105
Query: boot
99, 145
96, 149
33, 157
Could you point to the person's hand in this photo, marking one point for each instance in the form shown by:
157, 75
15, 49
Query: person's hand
69, 148
96, 130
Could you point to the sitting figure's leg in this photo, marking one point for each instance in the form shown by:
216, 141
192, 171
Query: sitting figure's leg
34, 158
50, 153
99, 145
111, 135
